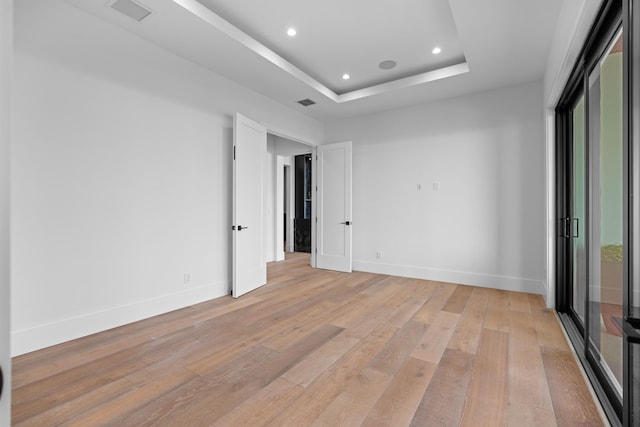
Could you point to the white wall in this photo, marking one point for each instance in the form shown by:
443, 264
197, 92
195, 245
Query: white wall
6, 33
289, 163
287, 147
121, 175
485, 224
279, 208
270, 195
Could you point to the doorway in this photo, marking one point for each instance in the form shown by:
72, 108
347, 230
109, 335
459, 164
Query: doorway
258, 194
282, 183
285, 208
302, 202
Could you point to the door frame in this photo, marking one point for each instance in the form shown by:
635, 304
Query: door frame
279, 209
564, 197
278, 214
631, 138
289, 197
314, 185
606, 26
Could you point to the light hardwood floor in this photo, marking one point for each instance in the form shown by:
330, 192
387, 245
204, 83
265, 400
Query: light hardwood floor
318, 348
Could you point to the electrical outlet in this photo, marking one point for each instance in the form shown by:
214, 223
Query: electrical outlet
187, 278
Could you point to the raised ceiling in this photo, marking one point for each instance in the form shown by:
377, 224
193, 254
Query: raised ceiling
334, 37
485, 45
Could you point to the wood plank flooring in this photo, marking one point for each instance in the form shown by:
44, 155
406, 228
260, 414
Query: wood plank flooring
317, 348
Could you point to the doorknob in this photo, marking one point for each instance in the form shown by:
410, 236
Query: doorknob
346, 223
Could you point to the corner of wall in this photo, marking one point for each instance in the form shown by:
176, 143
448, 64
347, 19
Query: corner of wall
550, 289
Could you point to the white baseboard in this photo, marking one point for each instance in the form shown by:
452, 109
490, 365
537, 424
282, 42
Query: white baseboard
45, 335
506, 283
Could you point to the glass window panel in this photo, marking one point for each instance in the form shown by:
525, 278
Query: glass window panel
606, 213
578, 208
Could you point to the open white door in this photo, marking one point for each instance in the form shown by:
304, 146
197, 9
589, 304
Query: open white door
249, 149
334, 207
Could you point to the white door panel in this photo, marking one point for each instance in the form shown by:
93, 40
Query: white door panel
334, 207
250, 147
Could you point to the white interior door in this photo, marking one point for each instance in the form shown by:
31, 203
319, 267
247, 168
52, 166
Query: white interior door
249, 150
334, 207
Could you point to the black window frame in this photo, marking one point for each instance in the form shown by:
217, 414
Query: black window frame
612, 15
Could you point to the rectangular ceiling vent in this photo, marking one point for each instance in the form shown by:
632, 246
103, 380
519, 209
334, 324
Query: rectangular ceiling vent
306, 102
132, 9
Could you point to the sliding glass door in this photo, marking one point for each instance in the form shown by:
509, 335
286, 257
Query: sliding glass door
598, 205
578, 218
605, 174
631, 292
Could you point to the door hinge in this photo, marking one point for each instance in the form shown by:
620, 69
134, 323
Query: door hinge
316, 188
234, 152
316, 250
316, 220
316, 157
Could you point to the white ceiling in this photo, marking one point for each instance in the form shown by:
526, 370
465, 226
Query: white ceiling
499, 42
336, 37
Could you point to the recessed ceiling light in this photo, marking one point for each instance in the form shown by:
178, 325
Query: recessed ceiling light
387, 65
346, 77
436, 50
291, 32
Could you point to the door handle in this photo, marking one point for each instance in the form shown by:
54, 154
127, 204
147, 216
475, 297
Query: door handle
565, 225
1, 381
631, 327
239, 228
346, 223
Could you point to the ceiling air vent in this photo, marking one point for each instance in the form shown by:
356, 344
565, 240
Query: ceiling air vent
306, 102
132, 9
